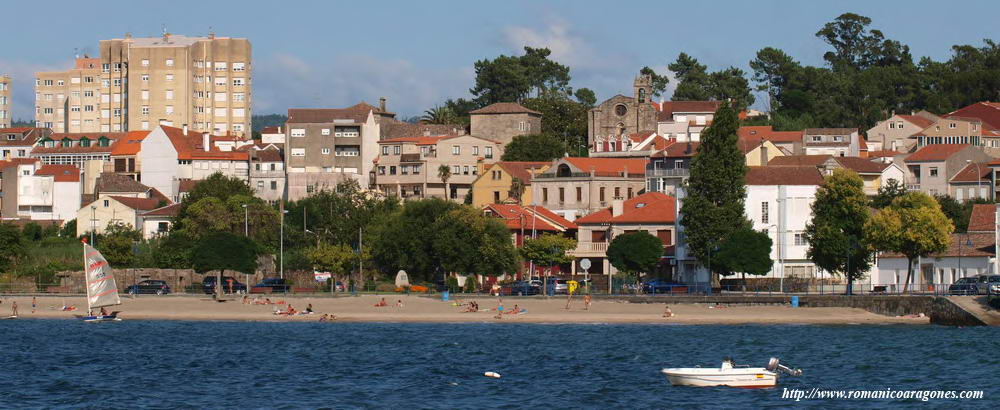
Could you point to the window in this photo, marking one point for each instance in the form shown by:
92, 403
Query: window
764, 212
274, 185
489, 152
220, 66
456, 169
117, 112
562, 195
145, 62
117, 82
392, 170
106, 203
169, 77
220, 97
496, 197
385, 150
170, 62
629, 196
465, 170
326, 151
239, 112
952, 125
325, 131
240, 97
88, 93
456, 150
475, 150
88, 79
145, 125
397, 149
88, 108
838, 138
169, 109
237, 82
800, 240
579, 194
348, 151
601, 194
817, 138
298, 152
545, 195
520, 126
599, 236
75, 108
665, 237
618, 192
933, 171
170, 94
238, 67
220, 81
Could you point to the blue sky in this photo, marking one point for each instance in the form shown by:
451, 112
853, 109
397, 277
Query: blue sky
418, 53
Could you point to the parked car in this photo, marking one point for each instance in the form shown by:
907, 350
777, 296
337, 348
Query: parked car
656, 286
229, 285
964, 286
149, 286
989, 284
522, 288
277, 285
557, 285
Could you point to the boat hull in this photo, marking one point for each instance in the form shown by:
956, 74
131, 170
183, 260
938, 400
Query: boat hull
113, 317
751, 378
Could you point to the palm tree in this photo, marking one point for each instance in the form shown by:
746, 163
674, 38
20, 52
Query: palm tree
444, 172
517, 189
438, 115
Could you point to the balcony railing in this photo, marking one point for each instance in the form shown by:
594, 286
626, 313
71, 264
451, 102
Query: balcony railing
587, 247
671, 172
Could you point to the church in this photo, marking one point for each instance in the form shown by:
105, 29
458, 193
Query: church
621, 115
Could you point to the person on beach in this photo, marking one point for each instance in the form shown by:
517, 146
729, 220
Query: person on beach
381, 303
399, 303
309, 308
515, 310
586, 302
13, 308
667, 312
33, 304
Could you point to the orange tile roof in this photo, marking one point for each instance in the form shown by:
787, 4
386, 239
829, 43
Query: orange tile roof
861, 165
609, 166
791, 175
415, 140
678, 150
533, 217
986, 111
60, 173
973, 172
936, 152
521, 169
983, 218
917, 120
799, 160
651, 208
17, 161
139, 204
130, 144
189, 147
169, 210
769, 134
16, 130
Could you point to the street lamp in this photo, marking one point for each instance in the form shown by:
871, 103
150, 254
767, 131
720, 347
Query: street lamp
777, 237
246, 220
93, 223
967, 242
281, 252
979, 179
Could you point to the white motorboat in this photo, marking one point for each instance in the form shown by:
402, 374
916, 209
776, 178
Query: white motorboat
730, 374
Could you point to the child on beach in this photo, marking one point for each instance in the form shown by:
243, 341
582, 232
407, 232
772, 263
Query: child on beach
667, 312
399, 303
13, 308
586, 302
309, 309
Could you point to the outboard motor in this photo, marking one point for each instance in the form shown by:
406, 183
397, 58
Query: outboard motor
775, 365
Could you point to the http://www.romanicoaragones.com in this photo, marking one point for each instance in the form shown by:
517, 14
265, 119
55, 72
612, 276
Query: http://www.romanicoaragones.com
886, 394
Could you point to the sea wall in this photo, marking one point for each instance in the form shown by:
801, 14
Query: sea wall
179, 280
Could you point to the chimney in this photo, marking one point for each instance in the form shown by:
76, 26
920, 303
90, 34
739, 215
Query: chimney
166, 36
617, 207
128, 36
763, 154
185, 128
381, 104
211, 35
205, 142
279, 130
688, 149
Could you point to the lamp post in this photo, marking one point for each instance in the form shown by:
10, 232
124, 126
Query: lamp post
246, 220
777, 237
979, 180
93, 223
967, 242
281, 252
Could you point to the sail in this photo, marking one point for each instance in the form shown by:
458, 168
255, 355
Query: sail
101, 287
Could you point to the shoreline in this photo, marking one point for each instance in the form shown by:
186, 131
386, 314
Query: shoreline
419, 309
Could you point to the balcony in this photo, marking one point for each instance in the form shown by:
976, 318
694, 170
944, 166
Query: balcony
590, 249
669, 172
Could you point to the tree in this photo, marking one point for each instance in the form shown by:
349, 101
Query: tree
548, 250
836, 234
211, 214
586, 97
562, 116
466, 241
958, 212
336, 259
517, 187
512, 78
635, 252
216, 186
173, 251
439, 115
11, 245
772, 70
912, 225
887, 193
444, 173
731, 85
404, 238
534, 147
857, 48
745, 251
713, 208
696, 84
32, 231
222, 251
659, 81
68, 229
116, 244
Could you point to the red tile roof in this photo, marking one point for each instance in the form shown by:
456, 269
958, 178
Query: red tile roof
189, 147
936, 152
60, 173
130, 145
983, 218
973, 172
357, 113
678, 150
983, 244
18, 130
608, 166
769, 134
75, 147
27, 137
17, 161
651, 208
399, 129
986, 111
533, 217
186, 185
917, 120
790, 175
861, 165
139, 204
169, 210
799, 160
504, 108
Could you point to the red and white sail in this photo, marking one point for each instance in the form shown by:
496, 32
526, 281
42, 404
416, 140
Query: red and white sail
101, 287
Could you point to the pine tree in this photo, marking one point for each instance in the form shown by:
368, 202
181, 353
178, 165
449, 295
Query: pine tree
716, 191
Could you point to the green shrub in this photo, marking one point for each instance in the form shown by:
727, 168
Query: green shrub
471, 286
385, 287
452, 284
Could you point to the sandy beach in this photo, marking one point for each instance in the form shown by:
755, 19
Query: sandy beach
424, 309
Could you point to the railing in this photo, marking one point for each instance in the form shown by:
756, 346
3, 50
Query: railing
672, 172
912, 187
592, 247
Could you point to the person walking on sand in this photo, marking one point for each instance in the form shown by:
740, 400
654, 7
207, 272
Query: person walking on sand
13, 308
33, 304
586, 302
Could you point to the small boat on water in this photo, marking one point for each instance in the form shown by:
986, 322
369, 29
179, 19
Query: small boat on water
102, 291
730, 374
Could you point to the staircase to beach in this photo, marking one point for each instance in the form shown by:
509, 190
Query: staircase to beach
977, 306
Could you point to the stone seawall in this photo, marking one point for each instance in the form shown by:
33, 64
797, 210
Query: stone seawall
178, 279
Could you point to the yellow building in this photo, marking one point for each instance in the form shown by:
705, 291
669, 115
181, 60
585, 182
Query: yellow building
495, 180
759, 152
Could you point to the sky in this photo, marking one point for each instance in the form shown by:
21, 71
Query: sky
419, 53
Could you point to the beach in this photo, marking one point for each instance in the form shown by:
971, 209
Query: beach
425, 309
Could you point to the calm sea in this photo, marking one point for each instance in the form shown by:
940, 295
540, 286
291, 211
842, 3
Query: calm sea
166, 364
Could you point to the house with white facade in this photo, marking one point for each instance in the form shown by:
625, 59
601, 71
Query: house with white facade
110, 209
56, 193
685, 120
839, 142
158, 221
171, 154
969, 254
19, 142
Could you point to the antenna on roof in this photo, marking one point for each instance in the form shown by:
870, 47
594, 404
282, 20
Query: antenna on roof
76, 52
163, 28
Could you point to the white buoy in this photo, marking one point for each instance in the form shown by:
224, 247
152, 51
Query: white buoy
494, 375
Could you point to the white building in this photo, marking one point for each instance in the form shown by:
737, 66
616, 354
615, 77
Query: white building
685, 120
969, 254
171, 154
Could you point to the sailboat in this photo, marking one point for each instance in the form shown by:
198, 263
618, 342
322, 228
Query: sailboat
102, 290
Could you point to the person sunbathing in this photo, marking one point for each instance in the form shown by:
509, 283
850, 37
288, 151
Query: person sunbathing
291, 310
515, 310
309, 309
381, 303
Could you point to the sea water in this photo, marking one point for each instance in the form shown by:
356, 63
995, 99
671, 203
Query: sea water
174, 364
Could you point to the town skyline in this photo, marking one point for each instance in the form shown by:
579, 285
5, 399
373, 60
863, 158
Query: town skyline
414, 79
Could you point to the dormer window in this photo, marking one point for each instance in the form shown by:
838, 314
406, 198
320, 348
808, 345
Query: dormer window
84, 142
11, 137
103, 141
67, 142
952, 125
